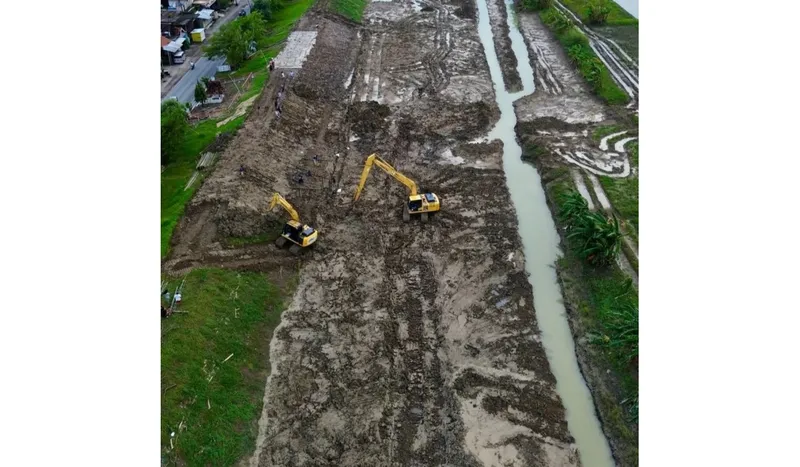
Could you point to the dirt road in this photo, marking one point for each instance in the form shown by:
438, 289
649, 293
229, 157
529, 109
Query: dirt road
405, 344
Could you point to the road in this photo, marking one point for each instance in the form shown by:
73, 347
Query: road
184, 88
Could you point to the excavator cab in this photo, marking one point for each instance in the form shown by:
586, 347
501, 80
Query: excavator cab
300, 236
424, 205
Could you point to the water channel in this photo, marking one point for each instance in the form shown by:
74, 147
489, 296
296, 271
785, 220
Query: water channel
540, 242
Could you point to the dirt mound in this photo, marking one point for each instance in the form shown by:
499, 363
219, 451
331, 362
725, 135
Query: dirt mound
466, 10
221, 142
368, 117
305, 91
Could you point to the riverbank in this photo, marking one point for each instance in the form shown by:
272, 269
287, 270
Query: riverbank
591, 298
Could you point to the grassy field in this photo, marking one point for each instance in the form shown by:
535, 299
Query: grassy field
578, 50
227, 313
178, 173
617, 17
350, 9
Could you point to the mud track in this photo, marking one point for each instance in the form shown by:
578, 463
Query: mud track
404, 344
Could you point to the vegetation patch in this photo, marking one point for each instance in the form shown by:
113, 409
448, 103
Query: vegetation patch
350, 9
600, 12
214, 366
185, 145
581, 54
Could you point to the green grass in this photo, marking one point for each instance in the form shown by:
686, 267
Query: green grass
589, 66
624, 192
178, 172
350, 9
617, 17
228, 313
603, 131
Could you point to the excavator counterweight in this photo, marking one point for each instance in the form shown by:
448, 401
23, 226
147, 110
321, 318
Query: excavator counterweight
423, 205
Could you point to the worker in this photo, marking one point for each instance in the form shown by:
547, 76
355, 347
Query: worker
191, 65
177, 299
241, 170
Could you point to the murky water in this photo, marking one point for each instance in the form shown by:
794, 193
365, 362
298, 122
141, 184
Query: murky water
541, 246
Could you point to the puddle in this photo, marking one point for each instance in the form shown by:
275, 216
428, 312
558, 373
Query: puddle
541, 247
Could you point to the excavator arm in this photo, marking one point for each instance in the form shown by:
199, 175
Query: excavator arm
278, 199
374, 159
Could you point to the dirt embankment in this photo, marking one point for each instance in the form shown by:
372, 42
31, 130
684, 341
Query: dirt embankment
405, 344
498, 18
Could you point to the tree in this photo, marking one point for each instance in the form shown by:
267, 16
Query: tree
200, 93
266, 7
174, 126
233, 40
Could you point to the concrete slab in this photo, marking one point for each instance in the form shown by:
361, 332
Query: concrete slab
297, 48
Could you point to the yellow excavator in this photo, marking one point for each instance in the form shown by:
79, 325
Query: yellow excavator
423, 204
301, 236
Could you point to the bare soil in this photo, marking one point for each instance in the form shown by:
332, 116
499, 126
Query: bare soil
498, 18
405, 343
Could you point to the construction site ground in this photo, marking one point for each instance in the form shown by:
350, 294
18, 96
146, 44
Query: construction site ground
404, 343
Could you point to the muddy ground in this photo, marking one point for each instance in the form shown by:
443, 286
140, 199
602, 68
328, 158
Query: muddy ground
405, 344
498, 18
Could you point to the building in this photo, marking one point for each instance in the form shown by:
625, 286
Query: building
174, 24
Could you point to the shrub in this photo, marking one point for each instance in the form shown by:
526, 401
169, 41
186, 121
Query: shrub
597, 239
557, 20
536, 5
597, 11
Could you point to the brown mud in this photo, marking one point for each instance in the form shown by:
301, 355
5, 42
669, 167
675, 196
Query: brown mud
405, 343
498, 18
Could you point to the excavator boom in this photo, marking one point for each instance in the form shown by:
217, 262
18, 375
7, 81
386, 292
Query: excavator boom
278, 199
374, 159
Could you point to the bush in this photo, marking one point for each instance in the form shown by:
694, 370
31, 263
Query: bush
596, 239
536, 5
597, 11
557, 20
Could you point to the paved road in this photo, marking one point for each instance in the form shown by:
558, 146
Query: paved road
184, 88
